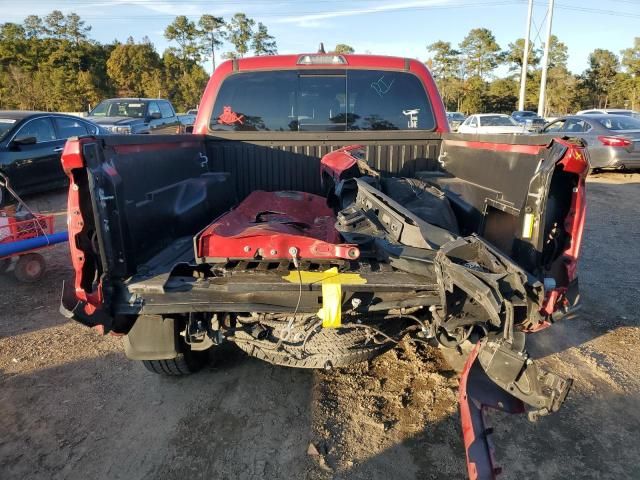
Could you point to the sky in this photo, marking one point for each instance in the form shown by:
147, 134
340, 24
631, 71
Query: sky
401, 28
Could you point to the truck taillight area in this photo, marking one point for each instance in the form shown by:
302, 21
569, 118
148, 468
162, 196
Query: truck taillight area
85, 298
562, 295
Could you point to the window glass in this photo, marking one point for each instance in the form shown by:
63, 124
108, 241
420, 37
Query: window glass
574, 126
620, 123
525, 113
68, 127
555, 126
166, 110
584, 126
6, 124
91, 128
153, 108
473, 122
119, 108
338, 100
41, 128
497, 121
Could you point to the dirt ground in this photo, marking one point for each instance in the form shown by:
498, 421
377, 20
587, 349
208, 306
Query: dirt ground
72, 407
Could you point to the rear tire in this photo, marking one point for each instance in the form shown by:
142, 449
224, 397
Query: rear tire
326, 349
184, 364
30, 268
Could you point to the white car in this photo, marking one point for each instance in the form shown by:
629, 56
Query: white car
610, 111
490, 123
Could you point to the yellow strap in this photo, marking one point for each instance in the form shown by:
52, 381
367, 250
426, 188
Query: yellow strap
331, 311
332, 281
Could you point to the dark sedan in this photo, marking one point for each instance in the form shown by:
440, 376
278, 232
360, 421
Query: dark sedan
613, 141
31, 144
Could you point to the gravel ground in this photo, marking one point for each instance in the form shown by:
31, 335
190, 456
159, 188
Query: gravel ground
72, 407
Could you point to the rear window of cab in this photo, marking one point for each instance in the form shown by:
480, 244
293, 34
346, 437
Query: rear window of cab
316, 101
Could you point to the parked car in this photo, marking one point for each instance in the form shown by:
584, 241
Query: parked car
320, 215
187, 120
31, 145
137, 116
531, 120
612, 141
610, 111
455, 119
490, 123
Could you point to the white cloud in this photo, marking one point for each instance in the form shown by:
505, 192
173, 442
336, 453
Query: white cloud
170, 8
315, 19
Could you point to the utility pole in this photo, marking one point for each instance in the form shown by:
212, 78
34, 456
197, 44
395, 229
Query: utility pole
525, 59
545, 61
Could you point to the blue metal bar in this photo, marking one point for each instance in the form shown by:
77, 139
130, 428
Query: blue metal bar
15, 248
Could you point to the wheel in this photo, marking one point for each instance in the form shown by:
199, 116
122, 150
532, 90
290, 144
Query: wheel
30, 267
325, 349
185, 363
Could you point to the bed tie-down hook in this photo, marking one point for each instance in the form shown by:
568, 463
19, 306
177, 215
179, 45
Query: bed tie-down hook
203, 159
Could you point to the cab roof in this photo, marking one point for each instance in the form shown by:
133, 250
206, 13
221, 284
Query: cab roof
351, 60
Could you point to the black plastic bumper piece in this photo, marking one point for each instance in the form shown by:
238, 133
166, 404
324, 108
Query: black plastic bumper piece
74, 309
500, 376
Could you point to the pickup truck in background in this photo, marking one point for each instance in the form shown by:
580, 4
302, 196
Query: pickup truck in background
187, 120
530, 120
137, 116
320, 212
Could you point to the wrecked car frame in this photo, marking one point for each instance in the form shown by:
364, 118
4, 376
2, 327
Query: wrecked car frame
334, 270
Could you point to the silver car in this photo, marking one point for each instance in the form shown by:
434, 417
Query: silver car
613, 141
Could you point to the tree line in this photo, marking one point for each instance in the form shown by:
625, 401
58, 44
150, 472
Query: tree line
465, 76
50, 63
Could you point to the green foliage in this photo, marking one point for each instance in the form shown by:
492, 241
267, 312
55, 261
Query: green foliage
601, 74
445, 65
132, 66
480, 52
239, 33
631, 58
185, 33
343, 48
49, 63
262, 43
514, 53
474, 92
212, 33
558, 53
501, 96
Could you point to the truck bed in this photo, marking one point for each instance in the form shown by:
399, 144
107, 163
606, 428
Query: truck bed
165, 284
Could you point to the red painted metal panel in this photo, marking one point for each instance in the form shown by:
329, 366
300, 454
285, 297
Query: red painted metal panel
72, 159
498, 147
283, 62
268, 225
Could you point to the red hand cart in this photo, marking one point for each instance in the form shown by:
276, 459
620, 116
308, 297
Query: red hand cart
17, 225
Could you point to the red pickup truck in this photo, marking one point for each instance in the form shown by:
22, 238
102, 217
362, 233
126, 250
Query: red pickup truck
320, 212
